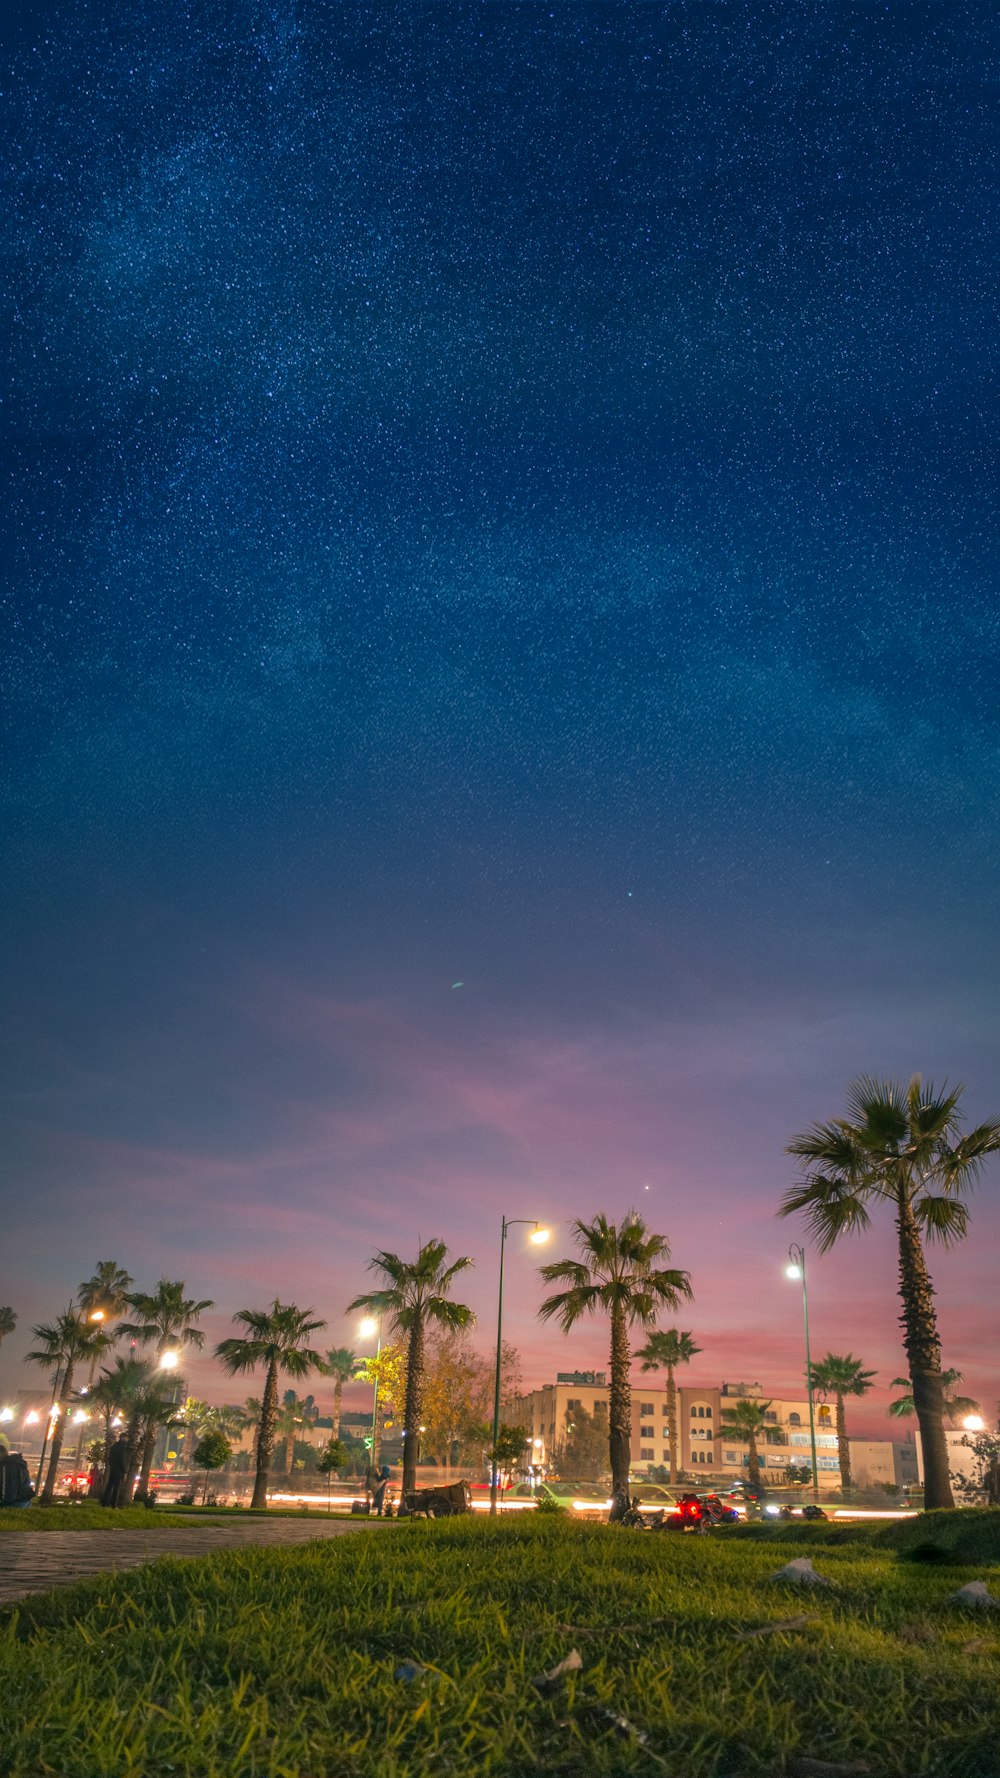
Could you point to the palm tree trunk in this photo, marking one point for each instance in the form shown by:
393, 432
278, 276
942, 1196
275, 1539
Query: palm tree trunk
843, 1448
753, 1462
923, 1349
265, 1437
338, 1393
148, 1447
290, 1453
411, 1406
671, 1424
58, 1431
131, 1459
620, 1405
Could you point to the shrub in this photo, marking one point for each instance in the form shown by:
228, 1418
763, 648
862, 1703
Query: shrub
961, 1534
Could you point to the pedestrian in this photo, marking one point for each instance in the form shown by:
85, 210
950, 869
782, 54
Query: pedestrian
15, 1478
117, 1465
378, 1496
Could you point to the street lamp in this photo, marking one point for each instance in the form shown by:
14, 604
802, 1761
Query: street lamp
538, 1237
170, 1359
796, 1268
974, 1423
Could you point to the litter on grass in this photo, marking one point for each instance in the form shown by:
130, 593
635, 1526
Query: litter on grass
573, 1663
801, 1573
975, 1596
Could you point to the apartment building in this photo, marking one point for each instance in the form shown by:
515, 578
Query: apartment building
704, 1450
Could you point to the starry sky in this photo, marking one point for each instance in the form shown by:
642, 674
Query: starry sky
500, 641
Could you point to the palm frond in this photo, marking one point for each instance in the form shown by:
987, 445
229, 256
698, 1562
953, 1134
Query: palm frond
831, 1209
944, 1220
567, 1306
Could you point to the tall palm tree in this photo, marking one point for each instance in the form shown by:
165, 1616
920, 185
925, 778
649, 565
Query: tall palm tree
113, 1397
166, 1318
102, 1299
745, 1424
840, 1377
63, 1344
900, 1146
620, 1273
8, 1321
104, 1295
340, 1363
414, 1293
665, 1349
955, 1406
276, 1338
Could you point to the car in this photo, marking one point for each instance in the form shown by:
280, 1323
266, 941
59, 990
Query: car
577, 1497
654, 1493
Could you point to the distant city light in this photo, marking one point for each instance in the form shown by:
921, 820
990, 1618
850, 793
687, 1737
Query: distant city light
6, 1413
31, 1418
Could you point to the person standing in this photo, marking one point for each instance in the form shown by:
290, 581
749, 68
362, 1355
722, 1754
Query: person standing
117, 1463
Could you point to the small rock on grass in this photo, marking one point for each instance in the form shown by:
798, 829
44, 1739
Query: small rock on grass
801, 1573
408, 1671
975, 1596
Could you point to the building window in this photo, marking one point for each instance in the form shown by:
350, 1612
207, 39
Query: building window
666, 1456
771, 1419
645, 1409
646, 1454
795, 1419
571, 1404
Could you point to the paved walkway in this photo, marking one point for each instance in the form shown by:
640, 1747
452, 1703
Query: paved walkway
32, 1561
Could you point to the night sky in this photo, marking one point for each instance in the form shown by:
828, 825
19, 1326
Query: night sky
499, 680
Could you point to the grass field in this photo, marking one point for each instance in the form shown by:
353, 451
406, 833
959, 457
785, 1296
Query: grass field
85, 1516
283, 1664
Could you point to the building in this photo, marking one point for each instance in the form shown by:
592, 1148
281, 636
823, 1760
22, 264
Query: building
704, 1450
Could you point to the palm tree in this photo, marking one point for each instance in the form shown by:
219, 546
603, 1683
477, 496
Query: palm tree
102, 1299
955, 1406
167, 1317
745, 1424
901, 1146
276, 1338
665, 1350
340, 1363
619, 1272
415, 1293
8, 1322
63, 1344
113, 1396
104, 1296
841, 1377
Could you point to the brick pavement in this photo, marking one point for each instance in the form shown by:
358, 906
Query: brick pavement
32, 1561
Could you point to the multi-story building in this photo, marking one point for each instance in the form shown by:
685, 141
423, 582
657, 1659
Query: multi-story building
704, 1450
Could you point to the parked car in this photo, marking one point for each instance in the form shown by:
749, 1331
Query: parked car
654, 1494
578, 1497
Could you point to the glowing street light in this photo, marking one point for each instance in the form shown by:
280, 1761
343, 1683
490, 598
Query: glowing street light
795, 1269
79, 1417
974, 1423
170, 1359
6, 1413
32, 1417
368, 1328
538, 1237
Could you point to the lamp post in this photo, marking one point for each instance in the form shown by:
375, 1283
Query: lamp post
369, 1326
538, 1236
796, 1268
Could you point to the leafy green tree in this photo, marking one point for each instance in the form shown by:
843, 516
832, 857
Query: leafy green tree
8, 1321
583, 1454
212, 1452
903, 1147
63, 1346
840, 1377
665, 1349
955, 1406
341, 1364
333, 1458
277, 1339
745, 1424
619, 1273
415, 1293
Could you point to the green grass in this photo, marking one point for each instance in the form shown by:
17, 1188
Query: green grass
85, 1515
281, 1664
967, 1534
